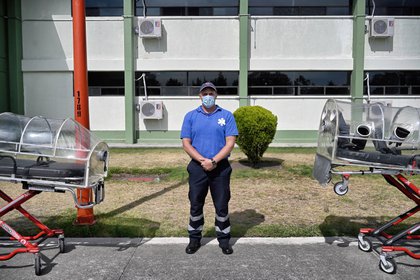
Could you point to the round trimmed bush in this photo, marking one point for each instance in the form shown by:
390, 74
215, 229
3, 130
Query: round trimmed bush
256, 126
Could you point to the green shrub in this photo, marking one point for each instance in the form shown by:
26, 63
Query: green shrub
256, 126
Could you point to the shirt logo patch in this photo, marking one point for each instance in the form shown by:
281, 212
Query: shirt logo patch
221, 122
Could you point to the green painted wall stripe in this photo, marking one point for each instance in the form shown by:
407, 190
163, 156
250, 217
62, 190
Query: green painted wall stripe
111, 136
130, 133
172, 137
296, 136
243, 52
357, 76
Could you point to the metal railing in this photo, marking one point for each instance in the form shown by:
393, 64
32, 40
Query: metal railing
258, 90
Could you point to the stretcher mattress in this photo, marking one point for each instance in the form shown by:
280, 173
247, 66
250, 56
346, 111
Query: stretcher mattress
377, 157
30, 169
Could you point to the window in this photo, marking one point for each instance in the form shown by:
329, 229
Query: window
104, 7
226, 82
187, 83
165, 8
299, 83
394, 83
393, 7
106, 83
164, 83
187, 8
299, 7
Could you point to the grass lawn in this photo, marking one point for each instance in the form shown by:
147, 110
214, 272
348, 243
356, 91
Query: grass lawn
146, 196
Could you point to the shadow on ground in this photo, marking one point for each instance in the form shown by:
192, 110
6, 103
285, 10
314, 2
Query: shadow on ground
350, 226
274, 163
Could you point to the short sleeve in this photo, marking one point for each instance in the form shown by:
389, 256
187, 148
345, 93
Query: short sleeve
186, 126
231, 128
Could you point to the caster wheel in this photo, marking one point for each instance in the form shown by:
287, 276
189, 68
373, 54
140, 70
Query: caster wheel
61, 243
37, 264
366, 245
340, 188
390, 266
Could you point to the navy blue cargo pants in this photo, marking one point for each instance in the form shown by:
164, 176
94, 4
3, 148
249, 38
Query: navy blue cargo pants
218, 180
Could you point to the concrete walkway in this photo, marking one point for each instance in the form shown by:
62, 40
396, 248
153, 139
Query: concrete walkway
165, 258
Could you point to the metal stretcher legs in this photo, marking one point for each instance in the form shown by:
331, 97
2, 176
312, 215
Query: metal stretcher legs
387, 264
30, 247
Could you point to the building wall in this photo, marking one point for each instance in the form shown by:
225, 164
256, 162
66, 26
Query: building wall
301, 43
105, 43
400, 52
48, 94
192, 43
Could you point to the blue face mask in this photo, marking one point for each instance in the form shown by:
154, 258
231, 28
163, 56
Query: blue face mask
208, 101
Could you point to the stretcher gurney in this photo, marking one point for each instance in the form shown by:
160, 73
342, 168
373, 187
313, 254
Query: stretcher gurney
47, 155
381, 139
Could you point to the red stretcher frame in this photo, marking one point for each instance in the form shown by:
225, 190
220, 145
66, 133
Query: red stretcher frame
387, 263
29, 243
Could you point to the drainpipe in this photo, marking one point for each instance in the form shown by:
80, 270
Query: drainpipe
81, 98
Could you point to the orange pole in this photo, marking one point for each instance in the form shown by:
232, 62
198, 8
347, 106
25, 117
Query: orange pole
81, 97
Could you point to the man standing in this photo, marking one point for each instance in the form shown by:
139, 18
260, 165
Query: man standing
208, 136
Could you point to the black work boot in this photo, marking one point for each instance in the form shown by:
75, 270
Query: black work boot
226, 249
193, 246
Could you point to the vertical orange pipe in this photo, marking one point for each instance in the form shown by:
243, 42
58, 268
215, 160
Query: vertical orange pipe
81, 97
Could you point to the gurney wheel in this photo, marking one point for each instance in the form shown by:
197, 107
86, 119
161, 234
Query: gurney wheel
340, 188
61, 243
389, 267
367, 246
37, 264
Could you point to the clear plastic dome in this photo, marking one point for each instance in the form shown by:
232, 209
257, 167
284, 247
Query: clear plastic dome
370, 134
57, 151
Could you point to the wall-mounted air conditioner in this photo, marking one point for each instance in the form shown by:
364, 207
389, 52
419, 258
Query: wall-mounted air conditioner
149, 28
151, 110
382, 27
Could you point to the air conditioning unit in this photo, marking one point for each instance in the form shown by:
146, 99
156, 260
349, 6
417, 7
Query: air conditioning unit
151, 110
149, 28
382, 27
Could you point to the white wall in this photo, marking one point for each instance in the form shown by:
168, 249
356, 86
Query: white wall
301, 43
46, 35
400, 52
192, 44
107, 112
105, 43
45, 9
294, 114
48, 94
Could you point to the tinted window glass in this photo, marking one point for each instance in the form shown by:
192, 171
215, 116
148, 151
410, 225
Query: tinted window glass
106, 78
299, 83
393, 82
172, 11
188, 8
106, 83
393, 7
187, 83
226, 11
104, 7
300, 7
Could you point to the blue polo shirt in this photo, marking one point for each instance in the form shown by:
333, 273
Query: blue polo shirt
208, 132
